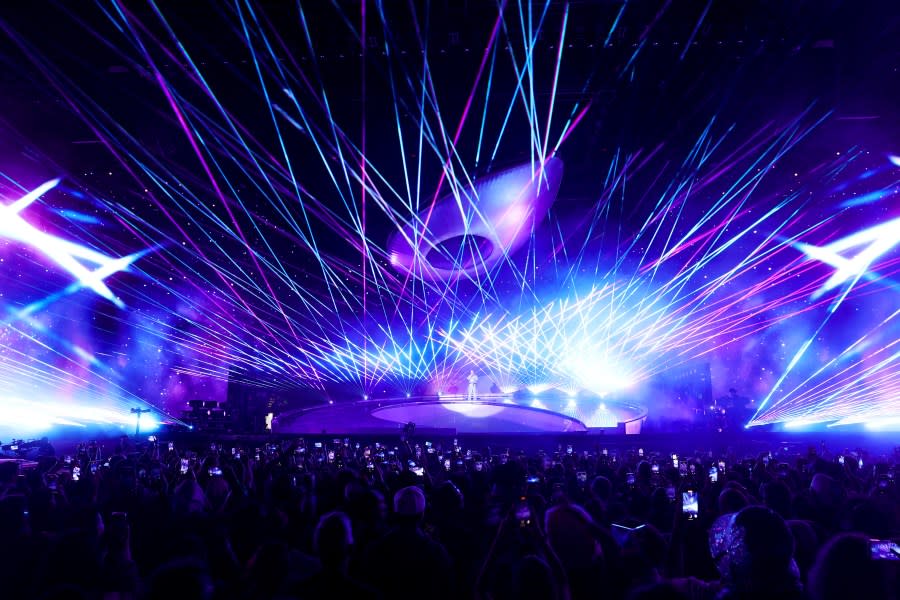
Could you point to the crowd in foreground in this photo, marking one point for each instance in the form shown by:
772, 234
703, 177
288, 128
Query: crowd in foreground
345, 518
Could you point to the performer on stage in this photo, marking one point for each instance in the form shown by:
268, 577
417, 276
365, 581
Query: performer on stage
473, 379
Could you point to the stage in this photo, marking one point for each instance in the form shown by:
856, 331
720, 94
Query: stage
501, 414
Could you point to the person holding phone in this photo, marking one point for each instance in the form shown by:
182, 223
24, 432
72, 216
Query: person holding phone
426, 566
853, 566
753, 551
521, 538
119, 573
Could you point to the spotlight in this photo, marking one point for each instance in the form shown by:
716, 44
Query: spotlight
537, 388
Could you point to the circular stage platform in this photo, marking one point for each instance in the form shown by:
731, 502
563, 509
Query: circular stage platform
497, 414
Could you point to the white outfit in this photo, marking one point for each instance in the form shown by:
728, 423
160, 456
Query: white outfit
473, 379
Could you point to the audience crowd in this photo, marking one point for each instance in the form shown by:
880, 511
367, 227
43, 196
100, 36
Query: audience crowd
413, 518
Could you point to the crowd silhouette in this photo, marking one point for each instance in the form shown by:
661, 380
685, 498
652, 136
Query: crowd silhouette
347, 518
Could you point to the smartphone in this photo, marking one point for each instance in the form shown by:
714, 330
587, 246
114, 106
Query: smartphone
428, 444
370, 466
318, 445
690, 504
721, 465
447, 464
884, 550
841, 459
655, 468
569, 449
171, 446
523, 512
419, 471
215, 472
713, 474
629, 478
533, 479
68, 459
151, 438
184, 465
640, 452
76, 473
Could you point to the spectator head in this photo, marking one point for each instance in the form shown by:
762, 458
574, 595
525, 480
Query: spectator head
874, 517
753, 550
189, 497
268, 569
825, 491
366, 506
643, 555
180, 579
731, 500
644, 471
218, 491
570, 533
409, 504
533, 578
777, 496
601, 488
844, 569
806, 543
333, 539
447, 499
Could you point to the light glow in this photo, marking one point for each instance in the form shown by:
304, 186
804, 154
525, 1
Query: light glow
64, 253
